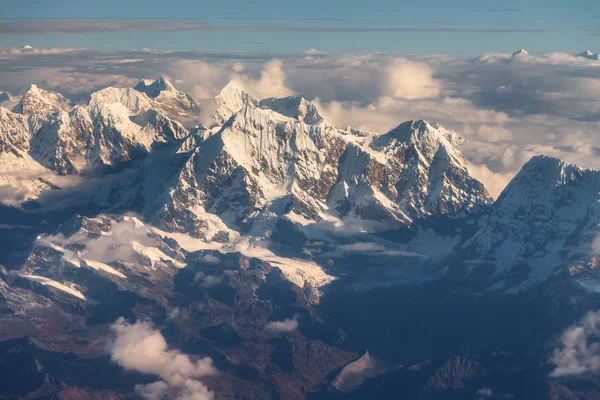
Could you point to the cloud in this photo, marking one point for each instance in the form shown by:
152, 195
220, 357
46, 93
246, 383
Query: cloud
152, 391
371, 248
210, 259
73, 26
494, 133
285, 326
206, 280
119, 244
174, 313
24, 51
100, 26
495, 182
360, 247
204, 80
579, 349
409, 80
270, 84
142, 348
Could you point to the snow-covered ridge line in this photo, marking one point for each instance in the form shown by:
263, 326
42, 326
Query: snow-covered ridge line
57, 285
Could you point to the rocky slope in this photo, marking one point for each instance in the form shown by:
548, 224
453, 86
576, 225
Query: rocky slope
282, 248
544, 223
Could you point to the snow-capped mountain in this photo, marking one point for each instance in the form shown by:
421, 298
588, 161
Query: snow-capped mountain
39, 101
116, 126
520, 53
281, 246
278, 158
589, 55
544, 223
171, 101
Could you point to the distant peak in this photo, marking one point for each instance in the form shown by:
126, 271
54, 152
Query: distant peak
589, 55
154, 88
519, 52
39, 101
293, 107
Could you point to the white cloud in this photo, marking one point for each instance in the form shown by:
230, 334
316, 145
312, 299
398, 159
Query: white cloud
484, 393
409, 80
494, 182
142, 348
287, 325
174, 313
579, 349
116, 245
494, 133
206, 280
152, 391
210, 259
270, 84
238, 67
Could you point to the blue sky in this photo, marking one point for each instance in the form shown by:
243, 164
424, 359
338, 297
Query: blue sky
283, 27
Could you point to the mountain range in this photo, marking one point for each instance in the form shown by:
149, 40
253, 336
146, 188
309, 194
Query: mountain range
306, 261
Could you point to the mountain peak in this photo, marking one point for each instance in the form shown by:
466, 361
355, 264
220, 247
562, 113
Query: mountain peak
294, 107
230, 100
39, 101
154, 88
520, 52
544, 163
589, 55
543, 174
410, 132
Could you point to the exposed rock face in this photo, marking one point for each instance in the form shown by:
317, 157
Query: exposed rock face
15, 132
273, 217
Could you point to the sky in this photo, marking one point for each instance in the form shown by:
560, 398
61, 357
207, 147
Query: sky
367, 64
284, 27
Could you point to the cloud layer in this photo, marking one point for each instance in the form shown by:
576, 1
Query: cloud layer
74, 26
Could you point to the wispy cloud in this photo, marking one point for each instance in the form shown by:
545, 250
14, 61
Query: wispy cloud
492, 10
50, 26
